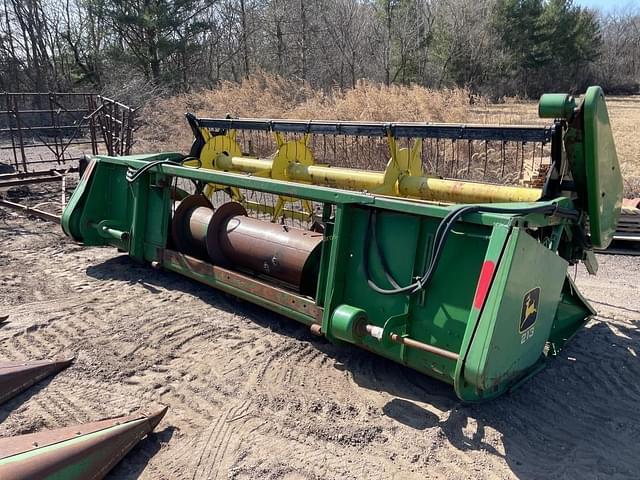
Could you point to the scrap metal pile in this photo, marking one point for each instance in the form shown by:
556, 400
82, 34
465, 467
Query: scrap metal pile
43, 138
400, 238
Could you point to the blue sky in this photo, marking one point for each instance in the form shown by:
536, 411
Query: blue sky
608, 5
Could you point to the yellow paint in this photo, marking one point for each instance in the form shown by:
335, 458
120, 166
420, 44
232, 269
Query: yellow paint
456, 191
256, 166
403, 175
292, 151
215, 145
530, 308
268, 209
336, 177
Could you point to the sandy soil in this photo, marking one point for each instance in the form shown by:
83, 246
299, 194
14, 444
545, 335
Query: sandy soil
254, 395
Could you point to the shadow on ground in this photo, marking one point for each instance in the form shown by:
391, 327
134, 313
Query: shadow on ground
14, 403
137, 459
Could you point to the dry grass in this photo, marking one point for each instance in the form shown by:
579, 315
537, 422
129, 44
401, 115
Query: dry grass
273, 97
624, 113
625, 119
267, 96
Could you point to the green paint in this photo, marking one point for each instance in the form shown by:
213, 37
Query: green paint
33, 454
602, 171
556, 105
501, 347
496, 345
344, 323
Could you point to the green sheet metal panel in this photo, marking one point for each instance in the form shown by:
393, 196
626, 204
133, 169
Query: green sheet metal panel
111, 202
495, 248
603, 179
440, 316
71, 215
573, 312
157, 224
517, 317
397, 235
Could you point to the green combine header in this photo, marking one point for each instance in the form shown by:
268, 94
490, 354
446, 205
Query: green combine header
441, 254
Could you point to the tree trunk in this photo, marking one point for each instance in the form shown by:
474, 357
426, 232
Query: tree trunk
303, 39
387, 49
245, 45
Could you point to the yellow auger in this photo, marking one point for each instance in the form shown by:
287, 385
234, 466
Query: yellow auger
403, 175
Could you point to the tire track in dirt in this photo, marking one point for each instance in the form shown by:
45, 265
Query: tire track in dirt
224, 438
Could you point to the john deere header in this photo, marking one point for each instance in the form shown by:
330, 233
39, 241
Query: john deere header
442, 247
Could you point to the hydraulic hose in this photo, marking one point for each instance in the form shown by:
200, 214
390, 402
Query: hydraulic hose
442, 232
134, 175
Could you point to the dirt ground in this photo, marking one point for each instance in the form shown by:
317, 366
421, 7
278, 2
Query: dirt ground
255, 395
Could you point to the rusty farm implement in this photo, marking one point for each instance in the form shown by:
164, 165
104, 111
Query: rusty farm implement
84, 451
440, 254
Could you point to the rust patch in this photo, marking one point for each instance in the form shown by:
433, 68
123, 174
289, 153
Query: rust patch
243, 282
16, 377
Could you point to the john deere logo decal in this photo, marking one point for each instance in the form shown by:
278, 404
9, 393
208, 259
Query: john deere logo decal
529, 309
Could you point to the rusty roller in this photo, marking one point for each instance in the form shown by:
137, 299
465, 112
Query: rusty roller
229, 238
190, 224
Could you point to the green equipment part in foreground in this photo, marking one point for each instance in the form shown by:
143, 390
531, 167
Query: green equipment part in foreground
82, 452
476, 295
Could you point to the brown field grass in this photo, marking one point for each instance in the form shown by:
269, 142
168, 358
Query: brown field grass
266, 96
273, 97
625, 119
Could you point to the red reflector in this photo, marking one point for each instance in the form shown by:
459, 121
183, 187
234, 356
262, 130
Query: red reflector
484, 282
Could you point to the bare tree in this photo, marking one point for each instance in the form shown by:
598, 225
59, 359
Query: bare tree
177, 45
619, 65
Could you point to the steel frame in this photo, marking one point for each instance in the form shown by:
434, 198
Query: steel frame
381, 129
56, 121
